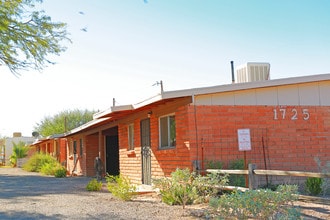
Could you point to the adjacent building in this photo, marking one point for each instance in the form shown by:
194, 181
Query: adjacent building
7, 150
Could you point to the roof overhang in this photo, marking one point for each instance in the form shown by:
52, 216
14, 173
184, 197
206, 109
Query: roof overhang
51, 137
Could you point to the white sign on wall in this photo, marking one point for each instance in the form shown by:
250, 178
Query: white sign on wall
244, 139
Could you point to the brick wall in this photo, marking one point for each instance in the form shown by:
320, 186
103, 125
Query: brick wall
130, 161
163, 162
62, 142
92, 151
289, 141
285, 138
80, 168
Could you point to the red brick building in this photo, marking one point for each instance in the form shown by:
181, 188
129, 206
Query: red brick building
288, 121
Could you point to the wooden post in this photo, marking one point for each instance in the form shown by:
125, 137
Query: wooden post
253, 181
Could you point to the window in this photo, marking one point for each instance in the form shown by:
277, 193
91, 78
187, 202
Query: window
74, 147
167, 131
131, 137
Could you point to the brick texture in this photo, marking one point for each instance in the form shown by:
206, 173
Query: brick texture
282, 137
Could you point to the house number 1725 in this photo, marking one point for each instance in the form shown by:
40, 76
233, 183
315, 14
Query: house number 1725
292, 114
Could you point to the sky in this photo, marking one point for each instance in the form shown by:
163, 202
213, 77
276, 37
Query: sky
121, 48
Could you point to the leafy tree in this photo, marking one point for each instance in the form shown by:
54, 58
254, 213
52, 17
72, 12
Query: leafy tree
63, 121
27, 36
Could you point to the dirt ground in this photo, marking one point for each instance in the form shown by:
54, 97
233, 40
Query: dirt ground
25, 195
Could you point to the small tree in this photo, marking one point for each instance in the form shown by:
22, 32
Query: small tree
20, 150
28, 36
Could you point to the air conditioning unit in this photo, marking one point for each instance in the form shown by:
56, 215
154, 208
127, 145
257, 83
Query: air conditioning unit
251, 72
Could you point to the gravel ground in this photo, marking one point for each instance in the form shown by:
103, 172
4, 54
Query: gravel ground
26, 195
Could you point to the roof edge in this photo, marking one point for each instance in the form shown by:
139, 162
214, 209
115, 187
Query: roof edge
246, 85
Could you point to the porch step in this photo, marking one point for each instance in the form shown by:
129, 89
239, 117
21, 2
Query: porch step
145, 189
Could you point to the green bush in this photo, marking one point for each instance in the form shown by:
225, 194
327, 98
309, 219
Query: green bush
258, 204
177, 190
45, 164
237, 180
48, 169
324, 168
213, 164
209, 186
94, 185
120, 186
60, 172
37, 161
184, 187
313, 185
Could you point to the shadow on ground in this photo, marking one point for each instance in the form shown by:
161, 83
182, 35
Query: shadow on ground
12, 186
20, 215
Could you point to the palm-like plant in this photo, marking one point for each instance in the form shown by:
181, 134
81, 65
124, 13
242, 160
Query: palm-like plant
20, 150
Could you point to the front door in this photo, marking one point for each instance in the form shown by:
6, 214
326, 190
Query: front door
112, 155
145, 151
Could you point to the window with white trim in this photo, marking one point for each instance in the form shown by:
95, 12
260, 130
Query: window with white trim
130, 129
167, 131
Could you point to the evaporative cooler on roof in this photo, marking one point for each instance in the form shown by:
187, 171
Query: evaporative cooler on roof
251, 72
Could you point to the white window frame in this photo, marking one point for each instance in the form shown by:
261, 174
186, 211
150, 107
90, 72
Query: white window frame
169, 144
130, 136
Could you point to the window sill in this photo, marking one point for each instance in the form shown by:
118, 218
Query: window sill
166, 148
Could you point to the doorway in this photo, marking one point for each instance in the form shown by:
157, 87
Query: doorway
112, 155
145, 151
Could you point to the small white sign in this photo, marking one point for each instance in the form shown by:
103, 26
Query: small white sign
244, 139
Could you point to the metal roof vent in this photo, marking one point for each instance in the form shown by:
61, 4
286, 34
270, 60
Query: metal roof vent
251, 72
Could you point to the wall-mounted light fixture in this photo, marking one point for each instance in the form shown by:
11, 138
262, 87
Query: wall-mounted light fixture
149, 114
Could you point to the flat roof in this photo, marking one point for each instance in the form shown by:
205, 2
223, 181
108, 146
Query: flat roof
215, 89
246, 85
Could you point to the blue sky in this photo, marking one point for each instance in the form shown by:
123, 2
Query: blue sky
131, 44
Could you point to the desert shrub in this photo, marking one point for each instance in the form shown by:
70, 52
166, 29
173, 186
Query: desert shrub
237, 180
184, 187
43, 163
258, 204
94, 185
209, 186
270, 186
60, 172
324, 168
36, 161
48, 169
213, 164
177, 190
120, 186
313, 185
